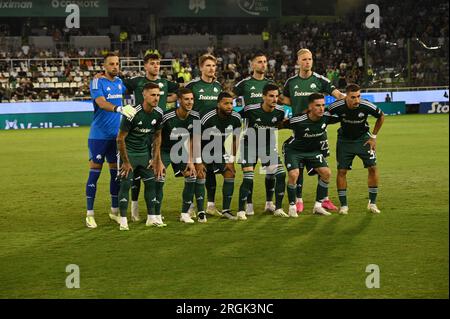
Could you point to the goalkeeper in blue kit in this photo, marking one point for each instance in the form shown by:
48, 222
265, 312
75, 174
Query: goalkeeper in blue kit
107, 93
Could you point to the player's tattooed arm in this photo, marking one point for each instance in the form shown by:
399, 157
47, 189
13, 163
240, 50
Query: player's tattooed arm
338, 94
125, 168
372, 141
158, 165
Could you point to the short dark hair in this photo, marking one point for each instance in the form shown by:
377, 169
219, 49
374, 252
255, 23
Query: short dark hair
352, 87
110, 54
270, 87
151, 56
183, 91
257, 55
150, 86
223, 95
315, 96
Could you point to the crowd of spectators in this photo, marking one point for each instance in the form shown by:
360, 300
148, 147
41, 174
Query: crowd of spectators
338, 48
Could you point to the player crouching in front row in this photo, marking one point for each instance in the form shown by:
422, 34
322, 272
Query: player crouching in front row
306, 149
135, 154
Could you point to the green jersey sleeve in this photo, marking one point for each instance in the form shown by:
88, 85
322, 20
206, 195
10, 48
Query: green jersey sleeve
126, 124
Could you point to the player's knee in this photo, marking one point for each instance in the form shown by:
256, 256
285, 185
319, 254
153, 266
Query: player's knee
293, 176
325, 174
372, 170
342, 173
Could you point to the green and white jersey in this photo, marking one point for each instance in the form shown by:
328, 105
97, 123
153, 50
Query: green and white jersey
250, 89
255, 117
308, 135
136, 85
298, 90
141, 129
171, 125
205, 94
354, 121
221, 126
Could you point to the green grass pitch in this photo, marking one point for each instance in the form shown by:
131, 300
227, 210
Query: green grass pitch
43, 176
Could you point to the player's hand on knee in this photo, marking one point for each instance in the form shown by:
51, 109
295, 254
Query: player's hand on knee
372, 143
127, 111
190, 170
159, 169
125, 169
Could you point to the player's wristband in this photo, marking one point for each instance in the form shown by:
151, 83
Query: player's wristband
372, 135
117, 109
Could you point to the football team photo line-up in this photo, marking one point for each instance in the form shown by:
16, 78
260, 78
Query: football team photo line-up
204, 136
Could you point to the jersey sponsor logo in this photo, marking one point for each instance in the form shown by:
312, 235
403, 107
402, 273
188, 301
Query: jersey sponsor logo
296, 93
313, 86
255, 95
313, 135
143, 130
353, 122
114, 96
207, 97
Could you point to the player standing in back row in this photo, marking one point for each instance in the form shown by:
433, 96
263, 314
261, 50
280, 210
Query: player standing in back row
167, 91
251, 91
107, 93
296, 91
206, 90
355, 139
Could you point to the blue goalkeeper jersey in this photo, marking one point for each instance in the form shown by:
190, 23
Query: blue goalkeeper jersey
105, 125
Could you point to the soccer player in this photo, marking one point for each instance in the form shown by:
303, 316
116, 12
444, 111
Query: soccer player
306, 149
355, 139
167, 91
251, 91
262, 118
135, 154
216, 126
206, 91
177, 129
106, 93
296, 91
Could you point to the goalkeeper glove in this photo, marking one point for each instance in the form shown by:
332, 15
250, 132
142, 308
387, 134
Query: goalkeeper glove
126, 110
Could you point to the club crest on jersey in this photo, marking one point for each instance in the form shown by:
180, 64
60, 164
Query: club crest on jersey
361, 114
153, 122
161, 85
216, 90
324, 126
190, 126
99, 157
274, 120
313, 86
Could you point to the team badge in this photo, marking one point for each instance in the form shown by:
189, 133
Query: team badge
313, 86
274, 120
361, 114
153, 122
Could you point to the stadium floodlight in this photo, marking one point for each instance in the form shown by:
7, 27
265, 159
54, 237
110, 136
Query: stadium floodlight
427, 47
